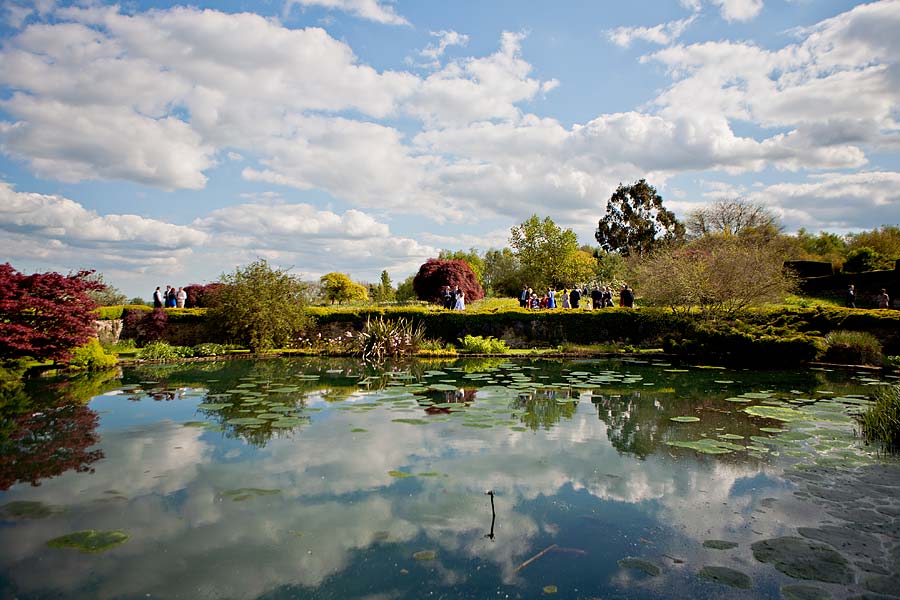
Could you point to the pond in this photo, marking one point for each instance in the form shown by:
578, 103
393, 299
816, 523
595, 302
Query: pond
491, 478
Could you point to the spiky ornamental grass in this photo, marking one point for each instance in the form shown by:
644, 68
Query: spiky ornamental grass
881, 423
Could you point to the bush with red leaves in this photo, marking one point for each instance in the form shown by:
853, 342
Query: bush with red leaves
429, 282
202, 296
45, 315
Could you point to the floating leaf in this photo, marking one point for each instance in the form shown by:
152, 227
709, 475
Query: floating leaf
411, 421
245, 421
90, 541
359, 430
684, 419
550, 589
425, 555
400, 474
28, 509
803, 592
719, 544
726, 576
645, 566
776, 412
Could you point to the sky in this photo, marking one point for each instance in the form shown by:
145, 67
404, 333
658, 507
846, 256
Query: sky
165, 144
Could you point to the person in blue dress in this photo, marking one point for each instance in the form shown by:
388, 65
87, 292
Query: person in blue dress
551, 297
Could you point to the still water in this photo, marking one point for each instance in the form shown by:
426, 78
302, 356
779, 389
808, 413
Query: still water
307, 478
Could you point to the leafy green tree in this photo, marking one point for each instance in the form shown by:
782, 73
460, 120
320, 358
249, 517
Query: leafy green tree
338, 287
384, 291
861, 260
106, 295
260, 307
824, 246
884, 240
579, 268
502, 273
405, 290
543, 249
474, 260
636, 222
611, 268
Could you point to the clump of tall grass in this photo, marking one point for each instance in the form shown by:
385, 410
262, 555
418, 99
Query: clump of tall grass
852, 347
475, 344
382, 338
161, 350
881, 423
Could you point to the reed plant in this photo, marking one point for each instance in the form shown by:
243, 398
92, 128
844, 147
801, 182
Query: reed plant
881, 423
852, 347
382, 338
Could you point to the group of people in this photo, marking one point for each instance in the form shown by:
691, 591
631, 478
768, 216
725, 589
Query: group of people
595, 299
883, 299
453, 299
170, 298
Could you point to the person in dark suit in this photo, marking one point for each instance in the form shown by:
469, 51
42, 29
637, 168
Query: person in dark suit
574, 297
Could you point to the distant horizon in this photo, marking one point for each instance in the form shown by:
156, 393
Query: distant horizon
166, 143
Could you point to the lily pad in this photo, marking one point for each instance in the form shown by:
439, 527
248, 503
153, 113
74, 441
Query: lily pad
719, 544
685, 419
400, 474
411, 421
213, 405
90, 541
778, 413
726, 576
706, 446
27, 509
359, 430
645, 566
245, 421
803, 592
425, 555
802, 559
241, 494
550, 589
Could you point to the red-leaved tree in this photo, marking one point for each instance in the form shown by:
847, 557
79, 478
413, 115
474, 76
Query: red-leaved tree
429, 282
202, 296
44, 315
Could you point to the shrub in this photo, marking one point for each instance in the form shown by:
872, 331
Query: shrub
144, 326
435, 274
382, 338
260, 308
160, 350
881, 423
109, 313
92, 357
852, 347
210, 349
475, 344
436, 348
202, 296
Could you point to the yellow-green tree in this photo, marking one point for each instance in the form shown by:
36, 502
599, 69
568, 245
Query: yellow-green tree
338, 287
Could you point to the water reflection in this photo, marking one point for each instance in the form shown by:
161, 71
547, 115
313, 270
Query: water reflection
573, 465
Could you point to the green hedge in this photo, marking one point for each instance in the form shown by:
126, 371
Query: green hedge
175, 315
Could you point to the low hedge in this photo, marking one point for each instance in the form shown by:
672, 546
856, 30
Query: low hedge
175, 315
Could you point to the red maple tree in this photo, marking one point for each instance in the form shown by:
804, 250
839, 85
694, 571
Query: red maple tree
44, 315
435, 274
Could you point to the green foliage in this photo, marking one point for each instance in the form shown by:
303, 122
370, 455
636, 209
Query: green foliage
210, 349
108, 313
476, 344
852, 347
741, 343
731, 217
824, 246
636, 222
435, 348
405, 291
381, 339
502, 273
892, 362
160, 350
384, 291
863, 259
338, 287
92, 357
881, 423
137, 301
260, 308
106, 295
548, 254
885, 241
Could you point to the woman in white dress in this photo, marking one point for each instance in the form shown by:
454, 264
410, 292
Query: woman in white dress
565, 298
460, 301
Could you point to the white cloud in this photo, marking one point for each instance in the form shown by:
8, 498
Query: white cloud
663, 34
739, 10
445, 40
373, 10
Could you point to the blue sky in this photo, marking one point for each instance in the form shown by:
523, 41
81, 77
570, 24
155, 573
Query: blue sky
167, 144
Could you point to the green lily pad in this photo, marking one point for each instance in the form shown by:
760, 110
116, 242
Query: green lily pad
550, 589
90, 541
730, 436
400, 474
685, 419
425, 555
776, 412
359, 430
195, 423
27, 509
803, 559
245, 421
411, 421
726, 576
213, 405
719, 544
645, 566
706, 446
241, 494
803, 592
